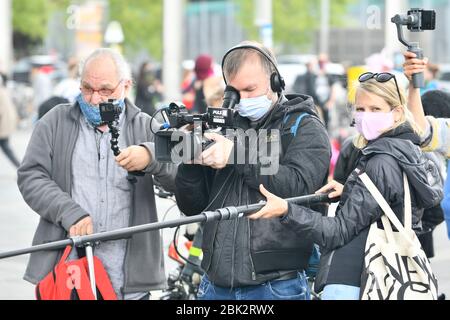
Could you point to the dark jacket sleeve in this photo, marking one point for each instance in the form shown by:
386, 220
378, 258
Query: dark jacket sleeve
192, 192
302, 169
357, 213
347, 161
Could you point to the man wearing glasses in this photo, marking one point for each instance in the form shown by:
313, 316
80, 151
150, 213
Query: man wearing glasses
72, 179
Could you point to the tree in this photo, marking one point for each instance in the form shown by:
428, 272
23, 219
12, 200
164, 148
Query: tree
294, 21
30, 21
142, 24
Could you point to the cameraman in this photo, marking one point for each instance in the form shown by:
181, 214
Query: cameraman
70, 177
246, 259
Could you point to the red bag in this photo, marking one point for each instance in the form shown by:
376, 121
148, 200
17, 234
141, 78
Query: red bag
70, 281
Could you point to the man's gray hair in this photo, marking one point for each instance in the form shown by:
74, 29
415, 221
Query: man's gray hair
122, 66
236, 59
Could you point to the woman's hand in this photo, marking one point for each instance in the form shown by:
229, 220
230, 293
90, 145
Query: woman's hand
335, 187
275, 206
413, 65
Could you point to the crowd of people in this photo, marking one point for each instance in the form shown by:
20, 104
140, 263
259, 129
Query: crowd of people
77, 186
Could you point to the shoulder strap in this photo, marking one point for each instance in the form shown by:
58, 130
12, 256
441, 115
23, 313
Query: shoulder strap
296, 123
65, 254
387, 209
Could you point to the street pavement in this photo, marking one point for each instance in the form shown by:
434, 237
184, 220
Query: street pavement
18, 222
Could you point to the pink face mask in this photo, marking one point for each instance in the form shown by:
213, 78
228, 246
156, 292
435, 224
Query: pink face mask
373, 124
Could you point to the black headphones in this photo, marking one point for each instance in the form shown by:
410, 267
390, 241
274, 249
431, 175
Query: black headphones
277, 83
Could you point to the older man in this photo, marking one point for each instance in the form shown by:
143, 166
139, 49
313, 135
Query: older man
70, 177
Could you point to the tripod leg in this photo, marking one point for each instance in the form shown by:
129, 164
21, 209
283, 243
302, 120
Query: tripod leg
90, 259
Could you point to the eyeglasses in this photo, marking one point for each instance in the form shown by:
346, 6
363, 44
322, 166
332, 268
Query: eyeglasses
105, 92
381, 77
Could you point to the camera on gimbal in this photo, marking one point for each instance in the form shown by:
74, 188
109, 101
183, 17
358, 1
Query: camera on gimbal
416, 20
421, 20
170, 139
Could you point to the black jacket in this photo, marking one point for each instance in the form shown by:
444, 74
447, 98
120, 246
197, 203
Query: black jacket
346, 163
384, 160
243, 252
347, 160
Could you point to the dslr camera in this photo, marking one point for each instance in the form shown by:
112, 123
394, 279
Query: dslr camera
171, 141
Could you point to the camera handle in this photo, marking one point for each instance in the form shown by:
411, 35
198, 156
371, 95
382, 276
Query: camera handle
400, 20
114, 137
113, 128
417, 78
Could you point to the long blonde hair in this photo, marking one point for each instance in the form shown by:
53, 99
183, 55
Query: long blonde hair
388, 92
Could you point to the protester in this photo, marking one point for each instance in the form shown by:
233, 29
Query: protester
149, 89
204, 84
66, 91
69, 87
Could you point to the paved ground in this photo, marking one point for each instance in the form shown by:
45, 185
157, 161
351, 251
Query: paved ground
17, 224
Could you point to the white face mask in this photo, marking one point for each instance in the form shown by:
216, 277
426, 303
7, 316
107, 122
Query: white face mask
254, 108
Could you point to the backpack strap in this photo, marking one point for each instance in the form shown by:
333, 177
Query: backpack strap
296, 123
293, 122
65, 254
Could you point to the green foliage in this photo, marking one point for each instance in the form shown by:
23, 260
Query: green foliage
142, 23
294, 21
30, 16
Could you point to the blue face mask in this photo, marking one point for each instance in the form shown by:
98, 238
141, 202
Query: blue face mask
92, 113
254, 108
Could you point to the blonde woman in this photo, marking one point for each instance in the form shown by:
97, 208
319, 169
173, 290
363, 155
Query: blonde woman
389, 143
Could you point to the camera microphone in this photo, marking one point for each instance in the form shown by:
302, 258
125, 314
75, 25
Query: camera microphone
231, 97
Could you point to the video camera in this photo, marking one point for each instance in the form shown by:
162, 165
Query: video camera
110, 113
417, 20
171, 140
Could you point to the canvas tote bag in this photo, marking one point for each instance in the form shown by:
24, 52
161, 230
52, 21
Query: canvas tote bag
395, 266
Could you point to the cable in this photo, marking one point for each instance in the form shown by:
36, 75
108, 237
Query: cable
153, 117
168, 210
175, 245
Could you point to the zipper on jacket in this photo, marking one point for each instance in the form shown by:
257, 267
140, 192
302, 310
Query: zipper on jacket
250, 250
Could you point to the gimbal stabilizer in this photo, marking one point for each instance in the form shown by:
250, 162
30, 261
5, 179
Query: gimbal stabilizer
417, 20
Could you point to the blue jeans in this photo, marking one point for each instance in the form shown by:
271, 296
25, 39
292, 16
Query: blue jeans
292, 289
340, 292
